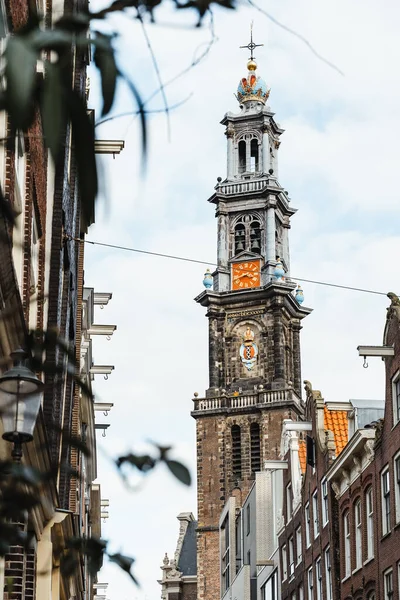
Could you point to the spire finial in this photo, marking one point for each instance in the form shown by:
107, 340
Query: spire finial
251, 45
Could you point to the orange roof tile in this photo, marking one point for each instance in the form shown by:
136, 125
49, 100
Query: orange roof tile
302, 455
336, 421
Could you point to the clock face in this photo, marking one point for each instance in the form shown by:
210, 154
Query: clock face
246, 275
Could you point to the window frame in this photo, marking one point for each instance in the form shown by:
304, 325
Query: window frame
396, 472
310, 584
358, 533
307, 519
347, 544
225, 556
369, 512
388, 590
318, 578
284, 563
328, 574
385, 500
315, 514
291, 557
396, 398
299, 545
324, 501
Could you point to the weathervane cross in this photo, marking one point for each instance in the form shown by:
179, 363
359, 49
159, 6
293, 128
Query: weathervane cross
251, 45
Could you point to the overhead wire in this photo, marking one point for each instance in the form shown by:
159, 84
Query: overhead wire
212, 264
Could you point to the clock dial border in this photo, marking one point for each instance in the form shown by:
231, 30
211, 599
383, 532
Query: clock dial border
246, 275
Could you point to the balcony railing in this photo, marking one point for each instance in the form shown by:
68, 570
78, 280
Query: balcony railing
245, 400
242, 187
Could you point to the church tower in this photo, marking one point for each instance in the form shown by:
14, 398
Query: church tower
254, 316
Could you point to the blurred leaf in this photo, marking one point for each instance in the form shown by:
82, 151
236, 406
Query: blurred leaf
53, 109
83, 137
141, 112
104, 60
143, 462
50, 39
125, 563
202, 6
179, 470
76, 23
20, 75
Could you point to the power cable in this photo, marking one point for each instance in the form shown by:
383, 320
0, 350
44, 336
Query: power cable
203, 262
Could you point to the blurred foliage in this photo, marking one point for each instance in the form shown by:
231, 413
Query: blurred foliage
36, 81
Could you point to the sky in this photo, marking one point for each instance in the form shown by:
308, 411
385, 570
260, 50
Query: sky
338, 159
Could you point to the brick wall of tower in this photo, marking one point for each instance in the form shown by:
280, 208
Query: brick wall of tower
216, 482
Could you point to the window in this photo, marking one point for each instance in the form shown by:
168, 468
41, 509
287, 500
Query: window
238, 537
236, 452
325, 506
396, 400
284, 563
225, 555
371, 596
310, 586
369, 509
242, 156
269, 591
255, 448
298, 546
248, 519
315, 514
307, 520
289, 502
385, 484
240, 238
255, 237
388, 584
301, 593
347, 548
397, 486
254, 155
358, 539
398, 578
291, 557
318, 574
328, 574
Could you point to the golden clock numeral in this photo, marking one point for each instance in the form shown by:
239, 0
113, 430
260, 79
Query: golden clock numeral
246, 265
254, 278
251, 283
254, 267
241, 267
246, 285
241, 284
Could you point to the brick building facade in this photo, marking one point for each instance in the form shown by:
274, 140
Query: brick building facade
41, 287
366, 482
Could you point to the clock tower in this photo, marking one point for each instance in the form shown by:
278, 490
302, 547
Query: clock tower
254, 314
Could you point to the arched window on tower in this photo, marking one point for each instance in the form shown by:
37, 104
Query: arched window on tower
236, 452
254, 162
240, 238
255, 448
242, 156
255, 237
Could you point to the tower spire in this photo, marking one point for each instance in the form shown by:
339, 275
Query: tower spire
251, 45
